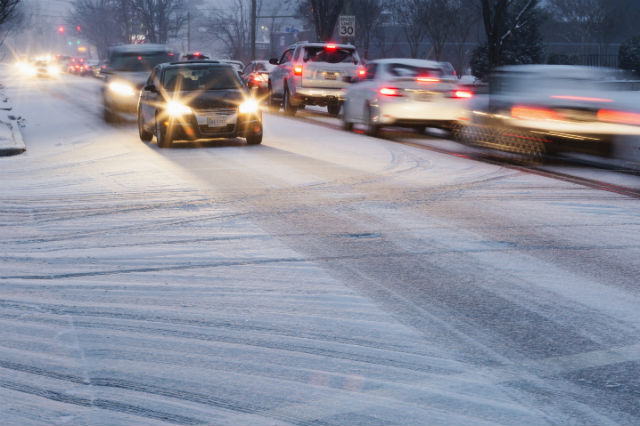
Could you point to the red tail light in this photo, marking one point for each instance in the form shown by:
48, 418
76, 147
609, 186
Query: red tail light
260, 78
621, 117
362, 72
297, 70
331, 47
534, 113
427, 79
580, 98
463, 94
390, 91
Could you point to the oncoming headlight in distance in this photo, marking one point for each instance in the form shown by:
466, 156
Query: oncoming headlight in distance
53, 69
248, 107
122, 89
176, 109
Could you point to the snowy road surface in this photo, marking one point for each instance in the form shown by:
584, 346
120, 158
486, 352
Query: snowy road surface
323, 277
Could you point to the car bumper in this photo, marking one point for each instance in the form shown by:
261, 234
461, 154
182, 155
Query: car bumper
422, 113
318, 96
194, 126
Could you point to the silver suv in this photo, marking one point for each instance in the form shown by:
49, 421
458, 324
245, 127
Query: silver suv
312, 74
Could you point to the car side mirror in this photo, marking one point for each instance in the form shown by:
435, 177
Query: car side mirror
150, 88
273, 61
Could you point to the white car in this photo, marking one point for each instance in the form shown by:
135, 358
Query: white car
405, 92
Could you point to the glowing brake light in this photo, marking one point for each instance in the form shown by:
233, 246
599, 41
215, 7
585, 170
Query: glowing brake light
362, 72
427, 79
331, 47
534, 113
390, 91
463, 94
580, 98
621, 117
260, 77
297, 70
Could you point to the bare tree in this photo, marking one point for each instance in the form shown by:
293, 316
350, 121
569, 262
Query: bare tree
440, 18
232, 28
11, 18
100, 22
501, 18
159, 19
323, 14
367, 13
411, 15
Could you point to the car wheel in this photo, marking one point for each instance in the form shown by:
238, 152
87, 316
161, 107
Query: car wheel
163, 135
373, 128
288, 108
420, 129
334, 109
346, 124
254, 139
145, 135
274, 106
108, 115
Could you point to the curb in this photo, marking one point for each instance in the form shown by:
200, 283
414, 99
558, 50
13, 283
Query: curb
16, 144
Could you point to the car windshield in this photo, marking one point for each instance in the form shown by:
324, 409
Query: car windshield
191, 78
406, 70
332, 56
139, 61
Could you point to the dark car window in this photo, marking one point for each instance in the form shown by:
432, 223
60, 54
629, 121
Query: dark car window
371, 72
191, 78
405, 70
286, 57
136, 61
332, 56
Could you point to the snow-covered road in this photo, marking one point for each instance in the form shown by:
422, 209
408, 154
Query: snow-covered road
323, 277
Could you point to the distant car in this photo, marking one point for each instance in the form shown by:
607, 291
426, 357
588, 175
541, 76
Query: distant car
256, 74
538, 109
46, 69
127, 70
97, 69
78, 66
195, 56
197, 100
404, 92
312, 74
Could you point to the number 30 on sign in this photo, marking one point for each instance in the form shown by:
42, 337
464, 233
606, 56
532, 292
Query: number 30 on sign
347, 26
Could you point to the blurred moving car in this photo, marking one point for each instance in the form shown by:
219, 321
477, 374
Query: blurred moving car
128, 69
256, 74
78, 66
47, 69
312, 74
405, 92
195, 56
538, 109
197, 100
98, 68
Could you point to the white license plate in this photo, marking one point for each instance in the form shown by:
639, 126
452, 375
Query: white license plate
424, 97
216, 121
330, 76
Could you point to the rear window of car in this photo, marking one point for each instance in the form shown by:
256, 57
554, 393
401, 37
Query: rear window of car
192, 78
138, 61
333, 56
406, 70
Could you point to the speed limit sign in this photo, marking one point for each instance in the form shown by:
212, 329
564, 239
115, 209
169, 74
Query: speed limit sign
347, 26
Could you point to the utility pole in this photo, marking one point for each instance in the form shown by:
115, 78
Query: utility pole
189, 31
253, 29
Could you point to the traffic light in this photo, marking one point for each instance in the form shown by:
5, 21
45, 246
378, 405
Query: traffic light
79, 29
61, 29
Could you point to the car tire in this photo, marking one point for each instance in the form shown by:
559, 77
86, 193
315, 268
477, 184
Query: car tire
288, 108
373, 128
145, 135
273, 105
346, 124
108, 115
254, 139
333, 109
163, 137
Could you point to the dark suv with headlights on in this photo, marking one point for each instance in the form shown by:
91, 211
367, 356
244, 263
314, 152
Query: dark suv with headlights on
197, 100
127, 70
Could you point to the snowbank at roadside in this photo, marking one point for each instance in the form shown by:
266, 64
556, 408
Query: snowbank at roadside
11, 142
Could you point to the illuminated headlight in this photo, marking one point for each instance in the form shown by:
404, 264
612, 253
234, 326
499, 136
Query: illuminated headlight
122, 89
176, 109
248, 107
53, 70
